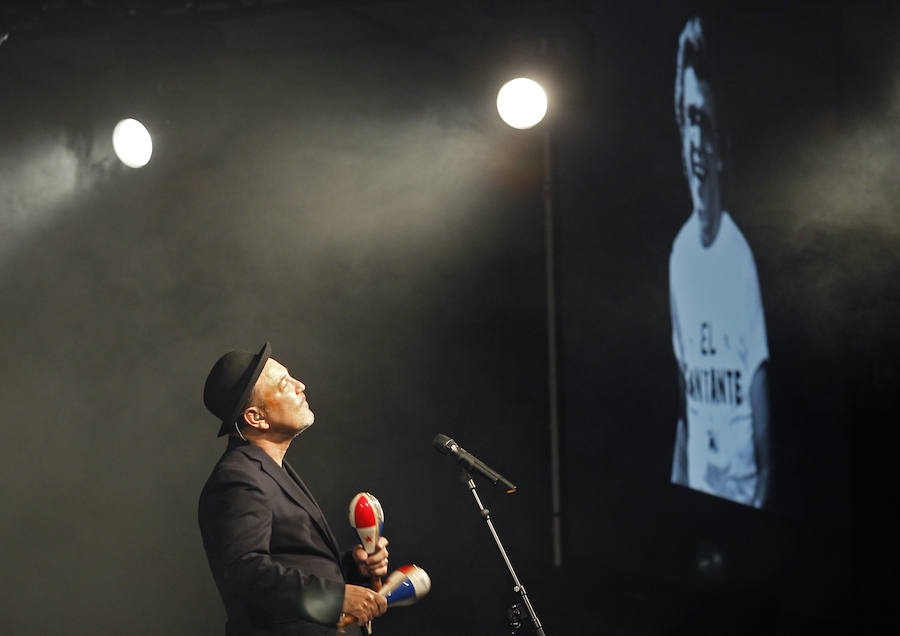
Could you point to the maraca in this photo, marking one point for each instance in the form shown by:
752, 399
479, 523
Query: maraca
405, 586
367, 517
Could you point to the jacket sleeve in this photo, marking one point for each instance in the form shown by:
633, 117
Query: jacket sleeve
236, 524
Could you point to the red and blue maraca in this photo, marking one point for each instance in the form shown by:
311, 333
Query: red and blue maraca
405, 586
367, 517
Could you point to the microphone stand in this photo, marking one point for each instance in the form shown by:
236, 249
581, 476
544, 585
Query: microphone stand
517, 585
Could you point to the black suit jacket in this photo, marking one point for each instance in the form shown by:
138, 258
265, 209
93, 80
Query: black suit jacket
273, 557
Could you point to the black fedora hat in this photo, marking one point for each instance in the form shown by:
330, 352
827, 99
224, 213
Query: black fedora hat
230, 382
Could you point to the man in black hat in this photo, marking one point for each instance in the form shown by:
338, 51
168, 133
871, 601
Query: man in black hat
273, 557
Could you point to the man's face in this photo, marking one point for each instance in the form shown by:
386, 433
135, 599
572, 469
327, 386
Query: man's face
700, 148
284, 401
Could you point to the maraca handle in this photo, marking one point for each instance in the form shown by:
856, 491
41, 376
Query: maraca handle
351, 620
375, 583
346, 620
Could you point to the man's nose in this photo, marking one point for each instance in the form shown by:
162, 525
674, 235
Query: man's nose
694, 137
700, 141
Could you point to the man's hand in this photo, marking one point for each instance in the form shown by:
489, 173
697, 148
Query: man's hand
362, 603
374, 565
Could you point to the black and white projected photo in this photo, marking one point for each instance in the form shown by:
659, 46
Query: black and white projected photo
718, 325
728, 240
594, 300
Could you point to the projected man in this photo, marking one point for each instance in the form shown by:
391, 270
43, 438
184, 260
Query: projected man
271, 552
718, 327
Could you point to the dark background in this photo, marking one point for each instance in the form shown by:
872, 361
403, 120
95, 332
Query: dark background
333, 177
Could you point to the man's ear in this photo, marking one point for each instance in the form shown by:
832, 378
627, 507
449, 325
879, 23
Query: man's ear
254, 416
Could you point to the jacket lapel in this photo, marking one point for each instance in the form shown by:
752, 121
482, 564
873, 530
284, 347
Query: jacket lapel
294, 488
324, 527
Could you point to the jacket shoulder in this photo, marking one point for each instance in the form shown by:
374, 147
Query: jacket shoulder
235, 466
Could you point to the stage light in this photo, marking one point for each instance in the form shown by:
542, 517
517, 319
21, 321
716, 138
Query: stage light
522, 103
132, 143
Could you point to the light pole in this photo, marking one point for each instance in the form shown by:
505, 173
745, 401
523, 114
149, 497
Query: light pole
522, 104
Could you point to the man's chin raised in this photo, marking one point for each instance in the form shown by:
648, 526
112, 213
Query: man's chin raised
307, 422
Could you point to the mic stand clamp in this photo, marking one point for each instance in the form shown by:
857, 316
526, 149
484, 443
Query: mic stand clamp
517, 585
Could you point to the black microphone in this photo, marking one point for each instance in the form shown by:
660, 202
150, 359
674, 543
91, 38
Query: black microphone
446, 446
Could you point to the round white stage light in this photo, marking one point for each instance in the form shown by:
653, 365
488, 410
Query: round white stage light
132, 143
522, 103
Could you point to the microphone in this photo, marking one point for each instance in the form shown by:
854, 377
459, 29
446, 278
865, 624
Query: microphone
446, 446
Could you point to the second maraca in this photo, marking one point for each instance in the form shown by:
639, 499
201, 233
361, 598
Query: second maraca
404, 586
